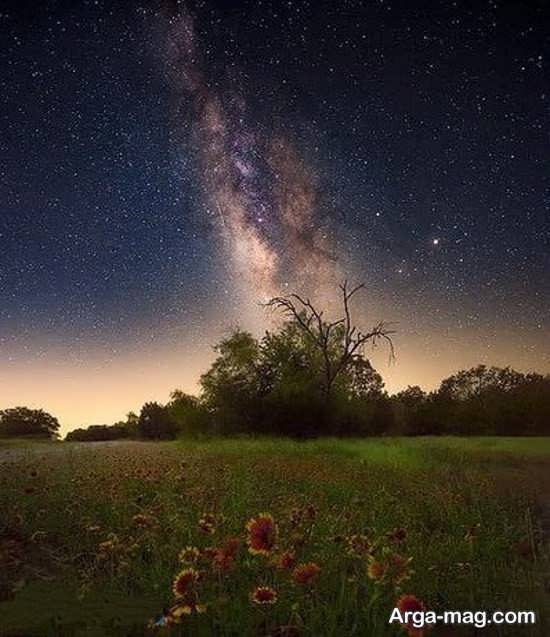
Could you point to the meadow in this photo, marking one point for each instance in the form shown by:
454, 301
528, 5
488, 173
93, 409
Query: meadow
251, 536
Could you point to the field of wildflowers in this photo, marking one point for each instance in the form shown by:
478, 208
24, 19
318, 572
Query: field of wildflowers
269, 537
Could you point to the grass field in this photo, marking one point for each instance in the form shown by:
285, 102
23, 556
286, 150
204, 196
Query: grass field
92, 535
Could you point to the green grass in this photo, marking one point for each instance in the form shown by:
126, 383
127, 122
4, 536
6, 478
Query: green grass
476, 513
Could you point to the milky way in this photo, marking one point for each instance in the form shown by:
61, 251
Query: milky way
261, 195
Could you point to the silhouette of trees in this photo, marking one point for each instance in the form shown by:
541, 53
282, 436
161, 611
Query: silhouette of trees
22, 421
230, 387
309, 377
94, 433
339, 342
492, 401
188, 412
124, 429
156, 422
478, 401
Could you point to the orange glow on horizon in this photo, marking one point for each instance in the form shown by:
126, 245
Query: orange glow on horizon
104, 389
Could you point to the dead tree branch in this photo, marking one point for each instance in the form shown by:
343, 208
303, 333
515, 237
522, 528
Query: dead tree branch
322, 333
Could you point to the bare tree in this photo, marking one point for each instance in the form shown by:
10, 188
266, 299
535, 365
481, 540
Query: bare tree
323, 334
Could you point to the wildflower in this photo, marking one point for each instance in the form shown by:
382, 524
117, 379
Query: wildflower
207, 523
358, 545
187, 605
209, 552
223, 558
184, 582
189, 555
263, 595
306, 574
287, 561
392, 568
262, 534
398, 568
411, 604
376, 570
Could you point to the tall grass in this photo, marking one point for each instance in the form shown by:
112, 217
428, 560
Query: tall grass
471, 509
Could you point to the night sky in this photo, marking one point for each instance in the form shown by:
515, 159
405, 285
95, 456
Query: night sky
164, 167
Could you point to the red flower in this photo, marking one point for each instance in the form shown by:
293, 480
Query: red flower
287, 561
263, 595
184, 582
392, 568
262, 534
306, 574
358, 545
411, 604
223, 559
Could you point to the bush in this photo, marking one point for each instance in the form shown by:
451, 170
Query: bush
94, 433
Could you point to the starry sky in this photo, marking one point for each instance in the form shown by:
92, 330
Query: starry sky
166, 166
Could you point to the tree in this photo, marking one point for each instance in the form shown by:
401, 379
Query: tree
339, 342
278, 384
22, 421
493, 401
362, 380
290, 392
412, 412
132, 424
230, 386
188, 412
156, 422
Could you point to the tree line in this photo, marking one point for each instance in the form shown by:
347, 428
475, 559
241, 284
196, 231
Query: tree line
311, 377
241, 395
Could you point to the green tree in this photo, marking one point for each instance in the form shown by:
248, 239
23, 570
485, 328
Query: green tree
132, 424
188, 412
290, 383
22, 421
411, 408
492, 401
277, 385
155, 422
230, 387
